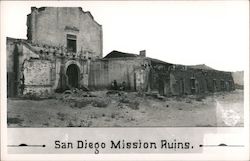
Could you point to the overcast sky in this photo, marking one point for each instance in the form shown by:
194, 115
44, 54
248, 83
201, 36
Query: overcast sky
215, 33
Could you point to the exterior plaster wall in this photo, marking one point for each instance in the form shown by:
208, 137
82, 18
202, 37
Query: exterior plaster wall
38, 73
17, 53
203, 81
159, 78
12, 75
51, 25
11, 45
37, 77
103, 72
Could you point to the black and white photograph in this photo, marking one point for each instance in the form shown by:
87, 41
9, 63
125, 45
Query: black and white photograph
63, 74
125, 77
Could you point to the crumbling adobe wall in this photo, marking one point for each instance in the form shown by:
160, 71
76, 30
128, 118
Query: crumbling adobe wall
169, 79
59, 78
141, 77
130, 70
37, 77
98, 75
12, 47
17, 53
50, 26
220, 81
197, 81
187, 82
159, 78
83, 70
59, 61
13, 50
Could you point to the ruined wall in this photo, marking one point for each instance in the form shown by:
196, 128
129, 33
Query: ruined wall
169, 79
186, 82
37, 77
13, 50
220, 81
38, 66
82, 67
50, 26
159, 78
11, 44
197, 81
30, 67
17, 53
129, 70
26, 73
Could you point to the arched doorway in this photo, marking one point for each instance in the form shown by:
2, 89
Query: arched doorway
73, 75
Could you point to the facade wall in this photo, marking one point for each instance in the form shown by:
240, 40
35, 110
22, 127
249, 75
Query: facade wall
194, 81
37, 77
17, 52
11, 46
170, 79
130, 71
12, 76
50, 26
32, 72
159, 78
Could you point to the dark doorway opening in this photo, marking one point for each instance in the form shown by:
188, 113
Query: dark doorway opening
73, 76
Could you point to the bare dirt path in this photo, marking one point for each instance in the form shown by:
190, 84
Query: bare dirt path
100, 109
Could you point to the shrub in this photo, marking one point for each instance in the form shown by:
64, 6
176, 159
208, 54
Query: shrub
124, 100
99, 103
134, 105
82, 103
61, 116
113, 115
200, 98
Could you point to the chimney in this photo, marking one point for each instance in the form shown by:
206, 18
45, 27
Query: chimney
142, 53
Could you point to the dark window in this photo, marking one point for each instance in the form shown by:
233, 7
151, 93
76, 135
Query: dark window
71, 43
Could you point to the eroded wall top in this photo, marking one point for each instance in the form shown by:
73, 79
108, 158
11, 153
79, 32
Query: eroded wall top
67, 27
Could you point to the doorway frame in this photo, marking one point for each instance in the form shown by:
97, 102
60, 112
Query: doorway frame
79, 70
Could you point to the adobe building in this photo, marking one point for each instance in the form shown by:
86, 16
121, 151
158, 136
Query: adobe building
63, 50
141, 73
61, 43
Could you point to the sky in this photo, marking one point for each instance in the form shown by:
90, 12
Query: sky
215, 33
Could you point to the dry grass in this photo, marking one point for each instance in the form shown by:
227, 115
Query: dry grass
124, 110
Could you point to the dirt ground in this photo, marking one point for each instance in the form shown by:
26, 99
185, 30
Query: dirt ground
126, 109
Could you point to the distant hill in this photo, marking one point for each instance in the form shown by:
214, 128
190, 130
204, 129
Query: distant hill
238, 78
